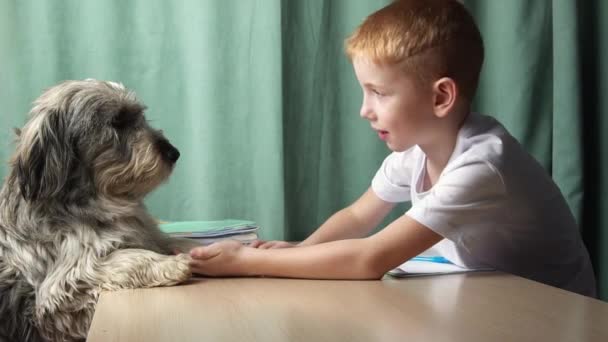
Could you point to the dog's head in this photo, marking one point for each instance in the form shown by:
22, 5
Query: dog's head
89, 138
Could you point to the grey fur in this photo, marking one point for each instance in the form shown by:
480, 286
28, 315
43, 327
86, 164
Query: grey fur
72, 218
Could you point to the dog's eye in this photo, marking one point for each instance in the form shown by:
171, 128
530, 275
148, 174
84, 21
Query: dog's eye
123, 119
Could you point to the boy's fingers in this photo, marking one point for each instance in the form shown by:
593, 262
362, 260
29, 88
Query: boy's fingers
273, 244
205, 252
195, 264
266, 245
256, 243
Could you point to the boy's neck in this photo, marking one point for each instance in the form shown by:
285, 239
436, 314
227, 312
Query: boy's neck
437, 159
439, 152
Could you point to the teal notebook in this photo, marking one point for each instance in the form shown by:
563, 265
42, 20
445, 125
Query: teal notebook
209, 228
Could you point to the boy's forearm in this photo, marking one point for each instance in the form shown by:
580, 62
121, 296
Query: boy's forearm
333, 260
342, 225
352, 222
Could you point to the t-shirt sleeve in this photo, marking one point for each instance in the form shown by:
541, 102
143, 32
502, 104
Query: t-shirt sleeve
471, 193
392, 181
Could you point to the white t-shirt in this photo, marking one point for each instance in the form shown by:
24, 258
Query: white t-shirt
496, 207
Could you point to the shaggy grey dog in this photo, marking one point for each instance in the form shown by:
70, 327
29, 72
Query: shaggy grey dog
72, 220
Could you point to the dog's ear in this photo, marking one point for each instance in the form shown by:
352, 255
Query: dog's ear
46, 160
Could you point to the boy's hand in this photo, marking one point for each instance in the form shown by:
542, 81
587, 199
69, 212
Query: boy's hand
218, 259
271, 244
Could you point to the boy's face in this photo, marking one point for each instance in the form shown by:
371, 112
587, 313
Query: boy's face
398, 109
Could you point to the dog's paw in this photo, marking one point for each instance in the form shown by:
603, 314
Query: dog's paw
177, 269
140, 268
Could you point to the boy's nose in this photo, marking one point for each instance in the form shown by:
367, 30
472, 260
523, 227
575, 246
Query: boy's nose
366, 112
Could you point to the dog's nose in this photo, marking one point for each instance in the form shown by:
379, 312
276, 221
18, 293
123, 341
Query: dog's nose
168, 151
173, 154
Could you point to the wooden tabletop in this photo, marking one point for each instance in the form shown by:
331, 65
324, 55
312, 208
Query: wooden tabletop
459, 307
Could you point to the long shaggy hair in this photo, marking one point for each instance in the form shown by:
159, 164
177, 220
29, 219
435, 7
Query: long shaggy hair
72, 218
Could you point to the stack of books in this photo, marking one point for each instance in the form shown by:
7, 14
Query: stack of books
208, 232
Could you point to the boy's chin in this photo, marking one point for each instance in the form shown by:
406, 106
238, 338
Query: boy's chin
398, 147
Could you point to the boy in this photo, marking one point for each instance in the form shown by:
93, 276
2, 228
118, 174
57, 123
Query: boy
477, 196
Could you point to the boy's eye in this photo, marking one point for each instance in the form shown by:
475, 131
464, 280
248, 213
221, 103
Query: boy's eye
375, 91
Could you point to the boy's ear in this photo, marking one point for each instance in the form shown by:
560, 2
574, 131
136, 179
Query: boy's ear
445, 92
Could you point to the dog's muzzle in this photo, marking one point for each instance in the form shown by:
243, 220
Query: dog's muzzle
168, 151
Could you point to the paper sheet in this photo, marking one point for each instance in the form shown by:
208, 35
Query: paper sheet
413, 268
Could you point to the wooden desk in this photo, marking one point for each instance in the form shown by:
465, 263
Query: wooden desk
460, 307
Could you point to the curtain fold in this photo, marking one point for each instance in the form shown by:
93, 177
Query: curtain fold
567, 157
263, 104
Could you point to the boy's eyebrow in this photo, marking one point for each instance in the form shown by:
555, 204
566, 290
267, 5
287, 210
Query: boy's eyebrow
371, 85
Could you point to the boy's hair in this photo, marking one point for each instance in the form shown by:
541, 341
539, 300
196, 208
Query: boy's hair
428, 38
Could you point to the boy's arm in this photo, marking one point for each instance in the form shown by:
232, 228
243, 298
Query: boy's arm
365, 258
354, 221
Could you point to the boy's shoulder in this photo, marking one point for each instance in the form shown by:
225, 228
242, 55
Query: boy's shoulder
481, 138
485, 147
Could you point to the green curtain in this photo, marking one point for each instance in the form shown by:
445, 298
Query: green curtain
263, 104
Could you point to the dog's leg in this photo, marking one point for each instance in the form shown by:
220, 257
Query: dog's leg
137, 268
65, 302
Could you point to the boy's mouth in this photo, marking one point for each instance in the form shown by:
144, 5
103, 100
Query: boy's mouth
382, 134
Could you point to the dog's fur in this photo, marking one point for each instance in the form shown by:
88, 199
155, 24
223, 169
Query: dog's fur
72, 220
